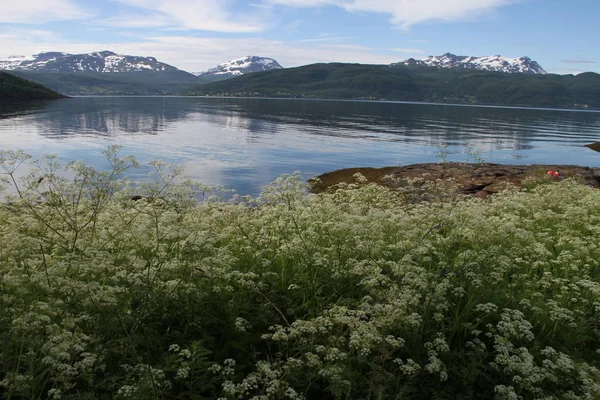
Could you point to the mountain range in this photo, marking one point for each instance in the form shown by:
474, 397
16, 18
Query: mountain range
106, 72
446, 79
524, 65
110, 62
103, 61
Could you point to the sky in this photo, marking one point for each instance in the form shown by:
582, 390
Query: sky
195, 35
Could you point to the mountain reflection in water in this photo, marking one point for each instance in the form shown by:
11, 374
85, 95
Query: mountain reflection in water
246, 143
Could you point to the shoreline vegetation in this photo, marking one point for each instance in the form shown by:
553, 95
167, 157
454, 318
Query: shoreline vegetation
16, 89
409, 290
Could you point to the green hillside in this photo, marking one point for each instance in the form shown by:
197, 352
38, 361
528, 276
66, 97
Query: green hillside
426, 84
14, 88
144, 83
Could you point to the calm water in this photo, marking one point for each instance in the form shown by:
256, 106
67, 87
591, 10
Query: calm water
244, 144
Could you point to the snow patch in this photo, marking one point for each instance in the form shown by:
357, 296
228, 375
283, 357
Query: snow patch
487, 63
241, 66
102, 61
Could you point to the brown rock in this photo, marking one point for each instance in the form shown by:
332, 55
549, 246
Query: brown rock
471, 179
594, 146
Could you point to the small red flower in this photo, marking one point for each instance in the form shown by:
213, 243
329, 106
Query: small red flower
550, 173
556, 174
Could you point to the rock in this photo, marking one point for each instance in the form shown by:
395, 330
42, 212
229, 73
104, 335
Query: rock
594, 146
478, 180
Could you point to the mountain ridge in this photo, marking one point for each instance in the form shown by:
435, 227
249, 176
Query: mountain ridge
239, 67
110, 62
102, 61
495, 63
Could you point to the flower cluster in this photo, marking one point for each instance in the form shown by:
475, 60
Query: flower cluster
115, 290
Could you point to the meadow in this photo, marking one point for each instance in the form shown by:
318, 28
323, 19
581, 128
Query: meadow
111, 289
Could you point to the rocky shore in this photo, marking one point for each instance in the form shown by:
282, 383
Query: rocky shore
480, 180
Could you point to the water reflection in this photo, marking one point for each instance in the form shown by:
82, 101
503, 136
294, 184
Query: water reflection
245, 143
10, 109
87, 116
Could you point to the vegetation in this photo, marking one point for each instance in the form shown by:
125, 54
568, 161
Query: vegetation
13, 88
113, 290
416, 83
118, 83
347, 81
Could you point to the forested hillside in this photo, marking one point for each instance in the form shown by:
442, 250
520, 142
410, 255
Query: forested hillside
122, 83
13, 88
415, 83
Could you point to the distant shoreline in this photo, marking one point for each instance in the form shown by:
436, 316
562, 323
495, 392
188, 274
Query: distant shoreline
590, 110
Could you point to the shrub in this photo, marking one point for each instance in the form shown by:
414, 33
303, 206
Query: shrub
360, 293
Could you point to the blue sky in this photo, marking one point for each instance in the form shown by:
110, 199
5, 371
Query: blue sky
194, 35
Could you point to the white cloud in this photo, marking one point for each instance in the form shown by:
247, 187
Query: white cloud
400, 50
356, 47
308, 3
565, 71
406, 13
324, 37
260, 5
22, 42
208, 15
40, 11
138, 21
577, 61
198, 54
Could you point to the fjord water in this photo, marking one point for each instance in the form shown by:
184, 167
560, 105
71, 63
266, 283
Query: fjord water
244, 144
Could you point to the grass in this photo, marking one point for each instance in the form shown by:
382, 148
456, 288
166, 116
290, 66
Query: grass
363, 293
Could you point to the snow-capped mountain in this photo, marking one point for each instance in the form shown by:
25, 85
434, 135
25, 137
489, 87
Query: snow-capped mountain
523, 65
241, 66
103, 61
